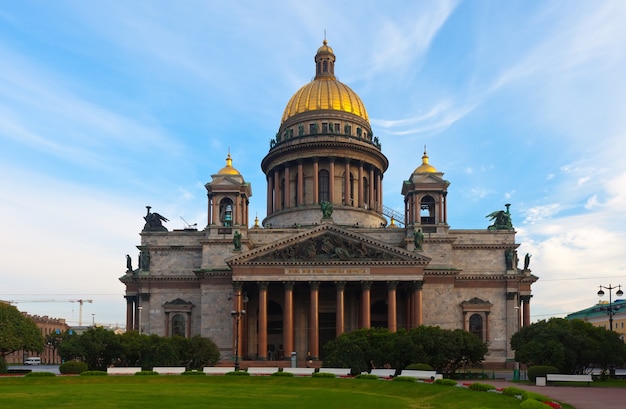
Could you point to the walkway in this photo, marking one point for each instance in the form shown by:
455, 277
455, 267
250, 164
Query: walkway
581, 397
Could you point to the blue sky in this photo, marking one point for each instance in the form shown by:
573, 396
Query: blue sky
106, 107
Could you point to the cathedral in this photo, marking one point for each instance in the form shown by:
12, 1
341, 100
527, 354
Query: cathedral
328, 257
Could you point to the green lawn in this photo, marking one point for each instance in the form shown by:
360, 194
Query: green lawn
237, 392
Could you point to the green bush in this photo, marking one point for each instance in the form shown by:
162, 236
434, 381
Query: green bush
39, 374
323, 375
284, 374
539, 371
513, 391
237, 373
481, 387
191, 373
146, 373
367, 376
93, 373
446, 382
528, 395
72, 367
532, 404
404, 379
419, 367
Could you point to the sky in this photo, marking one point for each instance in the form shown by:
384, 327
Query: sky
107, 107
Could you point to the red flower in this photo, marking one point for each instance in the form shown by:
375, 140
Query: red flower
553, 404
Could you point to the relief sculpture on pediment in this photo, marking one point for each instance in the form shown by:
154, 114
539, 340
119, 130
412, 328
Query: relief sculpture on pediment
329, 247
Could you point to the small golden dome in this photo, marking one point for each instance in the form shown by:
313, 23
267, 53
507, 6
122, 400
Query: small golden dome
325, 92
425, 167
228, 169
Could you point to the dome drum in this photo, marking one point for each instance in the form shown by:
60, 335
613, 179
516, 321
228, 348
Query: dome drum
311, 215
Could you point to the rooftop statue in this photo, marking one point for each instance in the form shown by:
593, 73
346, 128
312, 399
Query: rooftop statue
154, 221
501, 219
327, 210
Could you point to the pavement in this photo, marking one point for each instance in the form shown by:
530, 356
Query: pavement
580, 397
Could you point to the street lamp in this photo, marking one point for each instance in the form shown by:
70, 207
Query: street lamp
611, 309
140, 309
237, 314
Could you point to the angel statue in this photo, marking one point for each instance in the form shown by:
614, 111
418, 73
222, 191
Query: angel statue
501, 219
154, 221
327, 209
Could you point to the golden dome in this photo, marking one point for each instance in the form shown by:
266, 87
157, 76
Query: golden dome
425, 167
325, 92
228, 169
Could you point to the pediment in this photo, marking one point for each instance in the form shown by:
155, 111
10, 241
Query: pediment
328, 244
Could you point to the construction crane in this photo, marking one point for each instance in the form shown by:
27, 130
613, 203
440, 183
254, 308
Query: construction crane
80, 311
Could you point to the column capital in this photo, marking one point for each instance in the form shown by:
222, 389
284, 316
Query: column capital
315, 285
237, 286
417, 285
341, 285
288, 285
392, 285
263, 285
366, 285
526, 298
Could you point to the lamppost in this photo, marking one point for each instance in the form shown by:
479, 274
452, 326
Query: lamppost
140, 309
611, 309
237, 314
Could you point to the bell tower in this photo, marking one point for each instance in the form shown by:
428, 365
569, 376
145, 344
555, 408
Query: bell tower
425, 199
228, 195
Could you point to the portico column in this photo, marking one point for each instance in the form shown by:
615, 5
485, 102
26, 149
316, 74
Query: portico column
262, 335
238, 300
130, 309
314, 325
392, 316
331, 181
417, 303
526, 310
340, 312
288, 320
366, 318
316, 181
300, 198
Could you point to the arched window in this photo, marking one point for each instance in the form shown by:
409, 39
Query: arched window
325, 66
427, 210
366, 192
324, 187
476, 325
351, 202
178, 325
226, 212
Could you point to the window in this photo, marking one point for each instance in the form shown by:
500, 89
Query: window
323, 186
366, 192
427, 210
476, 325
282, 193
178, 325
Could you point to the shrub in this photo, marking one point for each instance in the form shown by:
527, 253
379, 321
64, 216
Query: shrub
93, 373
513, 391
3, 365
532, 404
367, 376
198, 373
146, 373
446, 382
284, 374
481, 387
534, 396
237, 373
539, 371
72, 367
39, 374
323, 375
404, 379
419, 367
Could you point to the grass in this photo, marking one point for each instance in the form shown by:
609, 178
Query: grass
238, 392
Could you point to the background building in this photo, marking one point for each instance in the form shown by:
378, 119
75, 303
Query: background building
598, 315
325, 260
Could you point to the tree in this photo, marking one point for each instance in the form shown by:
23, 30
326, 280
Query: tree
18, 332
97, 347
572, 346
